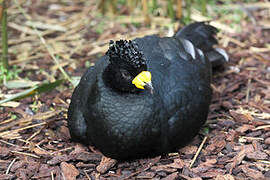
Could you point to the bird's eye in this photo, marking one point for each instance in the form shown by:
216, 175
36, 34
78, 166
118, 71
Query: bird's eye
125, 74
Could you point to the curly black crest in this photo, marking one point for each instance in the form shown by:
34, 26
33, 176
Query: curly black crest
126, 51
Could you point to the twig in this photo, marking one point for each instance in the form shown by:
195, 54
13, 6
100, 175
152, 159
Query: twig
33, 135
21, 28
61, 150
7, 121
145, 12
248, 87
250, 6
264, 162
4, 35
173, 154
203, 7
2, 141
7, 134
7, 143
36, 145
258, 50
52, 176
46, 26
251, 138
261, 127
12, 124
97, 176
170, 9
26, 154
179, 9
10, 165
198, 152
28, 127
43, 41
88, 177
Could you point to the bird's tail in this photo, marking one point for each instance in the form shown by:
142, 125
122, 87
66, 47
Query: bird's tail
202, 36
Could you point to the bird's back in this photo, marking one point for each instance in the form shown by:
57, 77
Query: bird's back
181, 79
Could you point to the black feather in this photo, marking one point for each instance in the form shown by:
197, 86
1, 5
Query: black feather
202, 36
127, 52
123, 122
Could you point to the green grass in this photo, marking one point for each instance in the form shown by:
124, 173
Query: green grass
6, 75
100, 27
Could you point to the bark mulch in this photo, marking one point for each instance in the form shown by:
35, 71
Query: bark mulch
34, 138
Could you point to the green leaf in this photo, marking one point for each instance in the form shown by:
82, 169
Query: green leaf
48, 86
206, 130
15, 84
37, 89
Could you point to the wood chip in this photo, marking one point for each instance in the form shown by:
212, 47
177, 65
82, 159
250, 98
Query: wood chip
69, 171
237, 159
267, 141
224, 177
252, 173
257, 155
172, 176
59, 159
105, 164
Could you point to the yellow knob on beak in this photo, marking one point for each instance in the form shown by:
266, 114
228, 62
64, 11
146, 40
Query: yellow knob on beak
143, 81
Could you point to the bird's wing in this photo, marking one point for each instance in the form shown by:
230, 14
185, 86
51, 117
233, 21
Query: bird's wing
186, 92
76, 122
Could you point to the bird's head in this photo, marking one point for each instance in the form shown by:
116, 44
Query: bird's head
128, 67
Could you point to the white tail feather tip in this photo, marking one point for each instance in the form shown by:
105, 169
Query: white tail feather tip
188, 46
223, 53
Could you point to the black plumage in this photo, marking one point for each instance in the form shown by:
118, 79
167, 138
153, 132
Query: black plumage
125, 122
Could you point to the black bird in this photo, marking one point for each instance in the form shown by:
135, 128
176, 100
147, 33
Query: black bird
148, 96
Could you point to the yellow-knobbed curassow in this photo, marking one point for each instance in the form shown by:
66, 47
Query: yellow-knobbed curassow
148, 96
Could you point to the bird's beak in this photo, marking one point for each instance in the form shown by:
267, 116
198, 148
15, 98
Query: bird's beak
143, 81
149, 86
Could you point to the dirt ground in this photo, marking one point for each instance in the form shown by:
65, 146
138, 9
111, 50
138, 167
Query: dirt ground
34, 138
